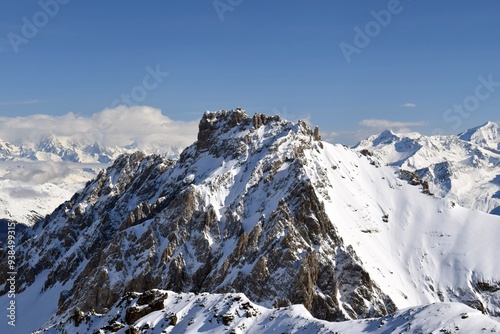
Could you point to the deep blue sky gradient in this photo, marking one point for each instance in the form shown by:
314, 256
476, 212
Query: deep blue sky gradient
265, 56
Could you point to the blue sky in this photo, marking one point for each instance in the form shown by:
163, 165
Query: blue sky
432, 66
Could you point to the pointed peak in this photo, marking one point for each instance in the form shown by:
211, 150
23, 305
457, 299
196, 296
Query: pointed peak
486, 126
486, 135
490, 124
387, 133
385, 137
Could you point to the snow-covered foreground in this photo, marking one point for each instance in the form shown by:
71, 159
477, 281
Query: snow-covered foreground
158, 312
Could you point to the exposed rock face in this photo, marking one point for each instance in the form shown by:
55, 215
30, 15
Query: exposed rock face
414, 180
236, 212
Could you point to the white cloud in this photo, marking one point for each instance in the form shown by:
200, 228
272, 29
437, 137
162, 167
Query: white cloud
409, 105
385, 124
121, 126
26, 192
18, 103
372, 126
329, 136
37, 172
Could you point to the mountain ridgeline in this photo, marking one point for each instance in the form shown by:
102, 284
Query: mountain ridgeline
260, 206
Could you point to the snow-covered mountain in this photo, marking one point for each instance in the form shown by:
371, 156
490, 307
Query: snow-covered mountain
37, 176
464, 169
260, 206
486, 136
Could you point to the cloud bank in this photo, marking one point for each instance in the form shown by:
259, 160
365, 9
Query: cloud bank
382, 124
141, 126
372, 126
385, 124
37, 172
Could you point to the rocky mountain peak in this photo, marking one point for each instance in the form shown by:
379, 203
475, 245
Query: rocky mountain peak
215, 124
237, 211
231, 133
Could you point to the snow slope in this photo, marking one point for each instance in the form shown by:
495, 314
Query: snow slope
429, 250
464, 169
36, 200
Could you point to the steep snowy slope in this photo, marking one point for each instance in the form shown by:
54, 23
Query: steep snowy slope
261, 206
419, 249
157, 311
464, 169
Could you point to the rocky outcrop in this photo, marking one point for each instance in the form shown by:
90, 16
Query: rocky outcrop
415, 180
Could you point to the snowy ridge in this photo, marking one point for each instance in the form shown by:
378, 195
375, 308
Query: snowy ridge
259, 206
169, 312
54, 148
464, 169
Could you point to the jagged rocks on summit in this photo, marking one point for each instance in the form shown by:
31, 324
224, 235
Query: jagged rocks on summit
464, 169
261, 206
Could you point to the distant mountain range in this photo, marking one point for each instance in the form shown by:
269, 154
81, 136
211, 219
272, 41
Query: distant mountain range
68, 149
464, 168
263, 207
35, 177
